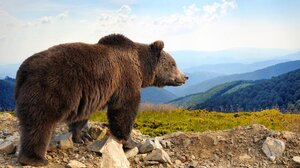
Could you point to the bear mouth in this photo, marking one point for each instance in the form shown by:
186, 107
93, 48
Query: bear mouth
178, 83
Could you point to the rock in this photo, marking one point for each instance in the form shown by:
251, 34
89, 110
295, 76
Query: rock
165, 143
75, 164
151, 163
64, 141
2, 160
95, 131
244, 157
132, 152
177, 162
273, 148
296, 159
186, 142
10, 144
146, 147
97, 145
103, 134
192, 164
158, 155
157, 143
52, 146
288, 135
113, 155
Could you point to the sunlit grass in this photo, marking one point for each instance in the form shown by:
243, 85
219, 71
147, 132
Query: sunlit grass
156, 123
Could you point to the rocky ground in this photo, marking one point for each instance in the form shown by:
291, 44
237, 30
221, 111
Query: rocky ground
249, 146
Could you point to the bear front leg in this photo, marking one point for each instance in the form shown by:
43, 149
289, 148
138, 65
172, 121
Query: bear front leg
121, 119
79, 131
35, 138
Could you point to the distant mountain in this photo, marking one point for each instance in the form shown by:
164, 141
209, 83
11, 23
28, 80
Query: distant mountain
265, 73
188, 58
234, 68
223, 89
281, 92
156, 95
7, 101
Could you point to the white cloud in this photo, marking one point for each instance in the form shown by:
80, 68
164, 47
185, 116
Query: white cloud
215, 10
194, 27
62, 15
45, 19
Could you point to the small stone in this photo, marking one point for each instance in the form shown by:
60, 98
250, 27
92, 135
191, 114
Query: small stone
113, 155
186, 142
2, 160
95, 131
103, 134
165, 143
296, 159
288, 135
52, 146
131, 152
75, 164
159, 155
64, 141
146, 147
192, 164
136, 160
150, 163
244, 157
157, 143
97, 145
273, 148
177, 162
7, 147
255, 139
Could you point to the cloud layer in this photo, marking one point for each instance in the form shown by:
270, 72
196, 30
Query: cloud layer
194, 27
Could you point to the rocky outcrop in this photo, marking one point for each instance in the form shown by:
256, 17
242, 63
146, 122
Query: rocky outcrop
248, 146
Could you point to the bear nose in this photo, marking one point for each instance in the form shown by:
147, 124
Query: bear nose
186, 78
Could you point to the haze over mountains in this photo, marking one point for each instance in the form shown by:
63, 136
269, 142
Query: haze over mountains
264, 73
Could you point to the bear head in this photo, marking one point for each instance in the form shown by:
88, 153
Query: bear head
166, 73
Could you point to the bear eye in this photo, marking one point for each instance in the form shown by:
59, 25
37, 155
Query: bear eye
173, 64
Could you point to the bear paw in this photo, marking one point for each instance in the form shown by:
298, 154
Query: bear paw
33, 161
81, 138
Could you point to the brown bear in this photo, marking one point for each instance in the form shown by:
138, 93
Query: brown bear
68, 82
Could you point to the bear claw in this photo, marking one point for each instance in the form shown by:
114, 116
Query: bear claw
81, 138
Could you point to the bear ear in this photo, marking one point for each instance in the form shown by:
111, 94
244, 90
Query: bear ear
157, 45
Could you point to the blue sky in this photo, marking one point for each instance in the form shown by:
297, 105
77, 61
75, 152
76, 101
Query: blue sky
27, 27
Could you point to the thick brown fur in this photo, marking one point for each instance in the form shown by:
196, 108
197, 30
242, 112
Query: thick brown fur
68, 82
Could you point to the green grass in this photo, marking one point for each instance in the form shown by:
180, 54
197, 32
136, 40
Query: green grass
157, 123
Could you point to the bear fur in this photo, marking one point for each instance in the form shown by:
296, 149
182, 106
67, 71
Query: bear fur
68, 82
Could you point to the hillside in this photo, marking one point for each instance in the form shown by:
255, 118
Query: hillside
241, 146
219, 90
156, 95
265, 73
282, 92
7, 101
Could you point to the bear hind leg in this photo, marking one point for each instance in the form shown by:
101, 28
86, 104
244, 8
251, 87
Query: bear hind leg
35, 138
